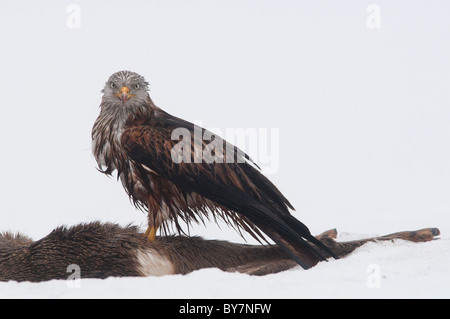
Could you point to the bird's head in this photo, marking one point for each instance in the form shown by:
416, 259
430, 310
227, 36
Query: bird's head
125, 88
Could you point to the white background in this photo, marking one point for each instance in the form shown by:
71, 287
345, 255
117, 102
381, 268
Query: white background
363, 114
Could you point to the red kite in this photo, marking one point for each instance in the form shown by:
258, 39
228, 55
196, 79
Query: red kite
168, 178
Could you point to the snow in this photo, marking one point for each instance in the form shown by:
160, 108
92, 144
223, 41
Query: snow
363, 117
405, 269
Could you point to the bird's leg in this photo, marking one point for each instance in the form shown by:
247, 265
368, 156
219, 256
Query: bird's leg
156, 216
153, 225
151, 233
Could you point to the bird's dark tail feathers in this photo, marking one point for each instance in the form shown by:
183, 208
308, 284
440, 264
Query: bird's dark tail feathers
300, 228
292, 236
286, 231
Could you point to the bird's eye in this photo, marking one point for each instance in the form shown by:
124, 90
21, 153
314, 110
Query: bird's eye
112, 85
137, 86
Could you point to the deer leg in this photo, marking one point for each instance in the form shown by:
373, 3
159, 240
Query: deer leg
342, 249
259, 268
332, 233
418, 236
278, 263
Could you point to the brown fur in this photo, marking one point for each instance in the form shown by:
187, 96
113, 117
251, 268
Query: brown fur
105, 250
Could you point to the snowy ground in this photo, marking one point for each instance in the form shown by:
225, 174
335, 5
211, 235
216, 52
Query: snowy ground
377, 270
362, 113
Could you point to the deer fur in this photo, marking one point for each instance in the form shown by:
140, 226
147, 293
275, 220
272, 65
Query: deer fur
109, 250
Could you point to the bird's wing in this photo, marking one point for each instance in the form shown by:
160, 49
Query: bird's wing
238, 186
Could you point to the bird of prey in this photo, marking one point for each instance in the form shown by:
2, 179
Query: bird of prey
142, 143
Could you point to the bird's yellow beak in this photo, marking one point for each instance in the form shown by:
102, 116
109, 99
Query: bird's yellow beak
124, 94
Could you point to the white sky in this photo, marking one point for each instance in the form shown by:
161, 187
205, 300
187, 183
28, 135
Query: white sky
363, 114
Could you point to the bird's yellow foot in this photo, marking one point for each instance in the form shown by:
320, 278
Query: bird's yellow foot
151, 233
